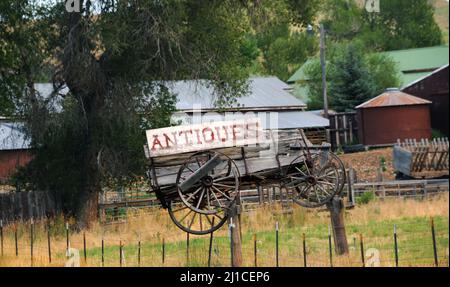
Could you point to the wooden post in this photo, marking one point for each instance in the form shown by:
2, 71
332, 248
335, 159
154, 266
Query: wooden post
324, 73
187, 249
337, 208
235, 236
139, 253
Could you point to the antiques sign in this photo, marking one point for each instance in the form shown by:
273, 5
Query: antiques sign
189, 138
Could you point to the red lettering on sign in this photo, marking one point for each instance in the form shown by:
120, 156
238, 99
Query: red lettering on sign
156, 142
170, 141
197, 132
236, 132
225, 131
211, 133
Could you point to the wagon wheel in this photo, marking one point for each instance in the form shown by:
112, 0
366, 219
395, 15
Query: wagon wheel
315, 180
195, 223
212, 181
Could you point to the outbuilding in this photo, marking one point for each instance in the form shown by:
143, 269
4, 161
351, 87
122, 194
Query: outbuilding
393, 115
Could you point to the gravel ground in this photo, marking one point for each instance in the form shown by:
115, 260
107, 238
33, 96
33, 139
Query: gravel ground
367, 163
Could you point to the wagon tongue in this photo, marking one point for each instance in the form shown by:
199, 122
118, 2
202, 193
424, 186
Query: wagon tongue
200, 173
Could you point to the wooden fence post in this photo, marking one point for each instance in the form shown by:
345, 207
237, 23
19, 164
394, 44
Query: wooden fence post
187, 249
337, 208
235, 236
103, 252
15, 240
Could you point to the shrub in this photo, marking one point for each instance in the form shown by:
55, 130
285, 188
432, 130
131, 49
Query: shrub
365, 198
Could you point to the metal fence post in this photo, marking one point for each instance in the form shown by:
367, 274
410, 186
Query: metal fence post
139, 253
361, 243
67, 240
1, 236
103, 252
31, 242
163, 251
84, 247
15, 241
210, 245
277, 243
255, 250
49, 244
304, 250
433, 237
330, 246
395, 245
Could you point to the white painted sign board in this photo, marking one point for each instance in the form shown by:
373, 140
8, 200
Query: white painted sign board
190, 138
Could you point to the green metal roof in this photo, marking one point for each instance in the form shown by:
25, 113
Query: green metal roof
412, 63
300, 74
417, 63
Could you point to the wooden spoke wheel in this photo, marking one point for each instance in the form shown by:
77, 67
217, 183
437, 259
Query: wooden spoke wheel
193, 222
208, 182
315, 180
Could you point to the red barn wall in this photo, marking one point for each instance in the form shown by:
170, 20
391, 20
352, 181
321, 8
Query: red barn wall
435, 89
10, 160
384, 125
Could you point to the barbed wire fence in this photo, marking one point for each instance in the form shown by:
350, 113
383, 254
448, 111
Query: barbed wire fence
378, 244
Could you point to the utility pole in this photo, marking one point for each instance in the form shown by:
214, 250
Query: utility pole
324, 76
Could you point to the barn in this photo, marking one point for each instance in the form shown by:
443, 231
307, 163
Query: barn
434, 87
393, 115
14, 149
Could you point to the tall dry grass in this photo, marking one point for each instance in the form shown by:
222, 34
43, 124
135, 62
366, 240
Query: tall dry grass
152, 227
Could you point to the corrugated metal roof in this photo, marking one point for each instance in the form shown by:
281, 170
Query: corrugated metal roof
393, 97
300, 74
269, 120
12, 137
264, 92
411, 63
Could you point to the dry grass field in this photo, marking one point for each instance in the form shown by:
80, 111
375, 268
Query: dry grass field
374, 221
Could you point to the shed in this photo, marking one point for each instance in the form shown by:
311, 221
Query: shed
393, 115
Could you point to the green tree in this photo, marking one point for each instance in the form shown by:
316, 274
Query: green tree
399, 24
402, 25
279, 30
351, 82
354, 75
113, 55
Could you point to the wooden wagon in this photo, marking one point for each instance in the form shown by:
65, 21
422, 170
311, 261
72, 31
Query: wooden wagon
197, 171
421, 159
